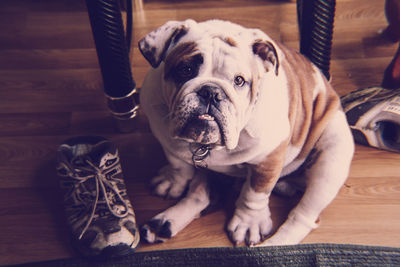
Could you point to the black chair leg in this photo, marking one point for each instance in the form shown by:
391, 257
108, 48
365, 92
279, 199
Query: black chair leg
113, 55
316, 19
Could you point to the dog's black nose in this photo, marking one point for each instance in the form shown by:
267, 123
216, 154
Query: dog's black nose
210, 93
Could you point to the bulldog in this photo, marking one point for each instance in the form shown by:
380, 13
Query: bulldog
229, 99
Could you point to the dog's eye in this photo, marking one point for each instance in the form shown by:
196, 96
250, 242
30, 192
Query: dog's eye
239, 80
185, 70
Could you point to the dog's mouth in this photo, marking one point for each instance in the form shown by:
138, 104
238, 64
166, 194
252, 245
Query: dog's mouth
203, 116
202, 129
206, 117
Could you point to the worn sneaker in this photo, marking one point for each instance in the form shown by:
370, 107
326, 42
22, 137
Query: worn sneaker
374, 117
96, 204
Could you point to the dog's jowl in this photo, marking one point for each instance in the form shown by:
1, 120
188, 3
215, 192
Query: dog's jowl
228, 99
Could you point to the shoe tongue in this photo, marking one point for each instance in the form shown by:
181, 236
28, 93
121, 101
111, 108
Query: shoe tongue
101, 152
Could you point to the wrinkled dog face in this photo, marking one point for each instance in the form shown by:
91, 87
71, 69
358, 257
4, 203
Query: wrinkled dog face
210, 77
211, 91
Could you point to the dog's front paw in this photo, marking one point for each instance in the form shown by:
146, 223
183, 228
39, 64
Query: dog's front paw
168, 183
168, 223
156, 230
293, 230
249, 225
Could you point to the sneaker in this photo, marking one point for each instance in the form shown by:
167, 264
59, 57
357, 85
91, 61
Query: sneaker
374, 117
96, 204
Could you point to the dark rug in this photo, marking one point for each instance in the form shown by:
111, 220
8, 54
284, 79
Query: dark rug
298, 255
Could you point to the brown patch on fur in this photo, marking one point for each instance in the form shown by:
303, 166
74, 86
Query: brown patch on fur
298, 71
325, 105
308, 118
185, 53
181, 53
266, 174
230, 41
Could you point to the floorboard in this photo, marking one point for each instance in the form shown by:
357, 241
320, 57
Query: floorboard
50, 89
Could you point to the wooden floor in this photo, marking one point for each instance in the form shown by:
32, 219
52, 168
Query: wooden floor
50, 89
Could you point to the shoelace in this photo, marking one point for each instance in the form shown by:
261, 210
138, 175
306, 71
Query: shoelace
102, 183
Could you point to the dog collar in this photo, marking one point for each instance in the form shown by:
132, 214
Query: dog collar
199, 153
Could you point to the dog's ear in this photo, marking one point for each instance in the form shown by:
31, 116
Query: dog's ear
267, 52
155, 44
